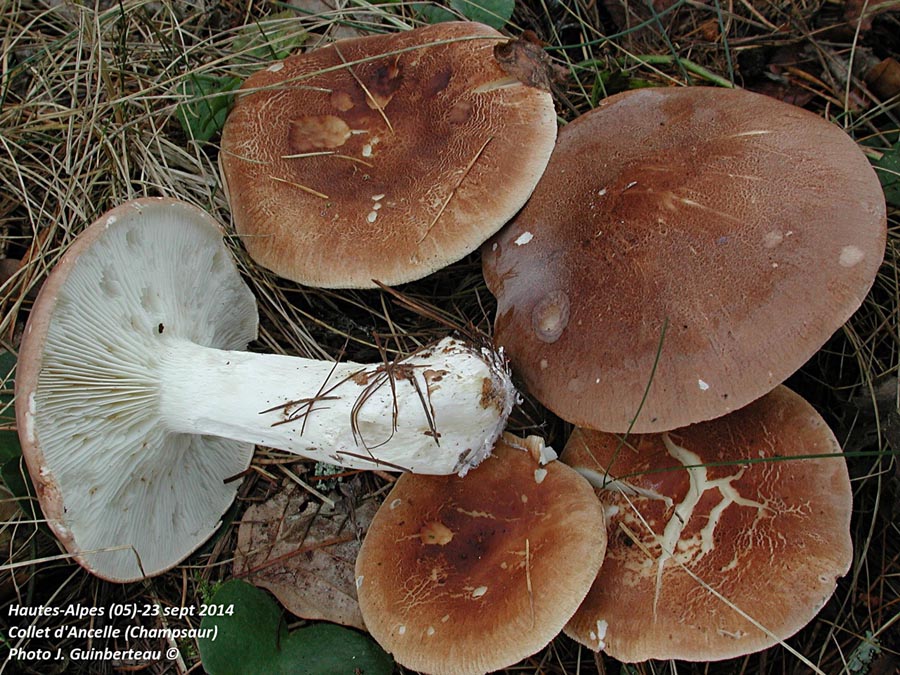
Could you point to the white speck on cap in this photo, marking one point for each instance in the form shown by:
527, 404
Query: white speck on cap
478, 592
602, 627
523, 238
703, 385
359, 580
772, 239
275, 67
395, 503
851, 256
540, 475
372, 216
548, 454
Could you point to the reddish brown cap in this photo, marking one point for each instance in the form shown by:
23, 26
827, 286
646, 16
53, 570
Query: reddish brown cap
468, 575
384, 157
699, 556
727, 233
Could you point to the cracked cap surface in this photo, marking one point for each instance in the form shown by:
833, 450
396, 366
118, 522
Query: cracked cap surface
770, 536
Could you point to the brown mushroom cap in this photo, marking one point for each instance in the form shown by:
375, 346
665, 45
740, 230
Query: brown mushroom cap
468, 575
388, 168
727, 233
768, 535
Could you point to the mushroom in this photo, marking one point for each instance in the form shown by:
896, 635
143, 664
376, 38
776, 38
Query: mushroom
724, 537
685, 251
135, 404
471, 575
385, 157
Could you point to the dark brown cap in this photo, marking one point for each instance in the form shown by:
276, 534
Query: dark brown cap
468, 575
384, 157
724, 537
723, 233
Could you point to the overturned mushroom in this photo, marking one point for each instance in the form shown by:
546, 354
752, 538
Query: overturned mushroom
133, 406
724, 537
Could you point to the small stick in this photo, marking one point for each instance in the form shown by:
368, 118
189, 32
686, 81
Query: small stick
308, 190
453, 191
306, 486
365, 89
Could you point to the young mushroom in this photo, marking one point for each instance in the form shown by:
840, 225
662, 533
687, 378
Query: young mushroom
686, 250
724, 537
135, 403
385, 157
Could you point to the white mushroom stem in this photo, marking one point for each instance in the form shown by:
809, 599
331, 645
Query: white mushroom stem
437, 412
135, 405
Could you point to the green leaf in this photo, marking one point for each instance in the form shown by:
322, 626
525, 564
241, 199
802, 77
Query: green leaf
251, 637
273, 39
206, 100
433, 13
15, 478
494, 13
7, 363
888, 170
9, 446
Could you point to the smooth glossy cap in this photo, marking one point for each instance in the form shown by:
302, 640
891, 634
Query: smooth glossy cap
384, 157
469, 575
725, 232
716, 532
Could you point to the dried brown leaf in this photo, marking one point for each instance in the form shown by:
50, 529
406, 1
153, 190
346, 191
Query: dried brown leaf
304, 552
